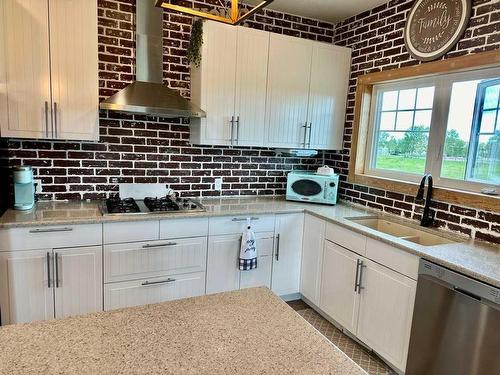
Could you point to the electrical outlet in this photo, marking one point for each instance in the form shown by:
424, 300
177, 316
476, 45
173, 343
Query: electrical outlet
38, 185
218, 184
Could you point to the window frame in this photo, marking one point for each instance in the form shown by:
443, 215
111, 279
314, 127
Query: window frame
356, 133
443, 85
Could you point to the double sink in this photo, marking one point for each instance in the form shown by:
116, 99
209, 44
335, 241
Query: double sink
400, 230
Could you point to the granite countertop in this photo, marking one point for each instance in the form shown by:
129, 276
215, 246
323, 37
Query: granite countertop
243, 332
477, 259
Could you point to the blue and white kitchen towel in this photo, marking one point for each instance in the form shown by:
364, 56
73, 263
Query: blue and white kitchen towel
248, 251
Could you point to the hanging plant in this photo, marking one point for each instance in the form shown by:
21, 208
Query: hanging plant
195, 43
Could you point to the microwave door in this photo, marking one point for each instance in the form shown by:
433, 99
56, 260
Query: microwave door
308, 189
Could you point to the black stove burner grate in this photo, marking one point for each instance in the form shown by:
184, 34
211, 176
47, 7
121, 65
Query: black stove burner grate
122, 206
161, 204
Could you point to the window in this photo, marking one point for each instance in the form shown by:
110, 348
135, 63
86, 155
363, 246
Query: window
447, 125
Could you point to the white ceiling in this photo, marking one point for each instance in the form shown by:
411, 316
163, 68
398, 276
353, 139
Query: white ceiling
327, 10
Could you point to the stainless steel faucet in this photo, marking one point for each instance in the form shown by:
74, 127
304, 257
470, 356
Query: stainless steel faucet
428, 214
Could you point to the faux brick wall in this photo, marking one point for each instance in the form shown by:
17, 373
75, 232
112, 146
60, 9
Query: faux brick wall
376, 39
151, 150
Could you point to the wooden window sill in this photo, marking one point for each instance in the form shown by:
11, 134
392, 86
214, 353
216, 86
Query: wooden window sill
459, 197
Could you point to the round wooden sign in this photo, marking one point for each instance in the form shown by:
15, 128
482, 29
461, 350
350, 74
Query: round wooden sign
435, 26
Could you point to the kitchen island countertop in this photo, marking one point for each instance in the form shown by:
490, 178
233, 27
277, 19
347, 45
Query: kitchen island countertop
243, 332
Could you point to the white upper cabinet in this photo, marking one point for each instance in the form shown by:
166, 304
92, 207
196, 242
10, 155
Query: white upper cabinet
288, 91
328, 95
74, 69
24, 69
251, 86
263, 89
48, 90
213, 86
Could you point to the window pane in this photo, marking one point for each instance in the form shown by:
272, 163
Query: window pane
463, 97
491, 97
472, 148
402, 151
407, 99
486, 166
488, 121
390, 101
423, 119
404, 120
387, 120
425, 97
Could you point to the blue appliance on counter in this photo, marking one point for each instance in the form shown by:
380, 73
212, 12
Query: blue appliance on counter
312, 187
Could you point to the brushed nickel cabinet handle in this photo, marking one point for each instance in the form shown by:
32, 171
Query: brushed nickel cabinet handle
51, 230
360, 282
57, 269
305, 135
147, 283
48, 270
55, 120
310, 132
277, 247
237, 130
232, 130
47, 119
238, 219
356, 277
149, 246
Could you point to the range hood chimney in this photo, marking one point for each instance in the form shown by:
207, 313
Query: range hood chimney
148, 95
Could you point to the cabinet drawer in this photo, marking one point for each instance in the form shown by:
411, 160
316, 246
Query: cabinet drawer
139, 260
392, 257
237, 224
179, 228
131, 231
153, 290
50, 237
347, 238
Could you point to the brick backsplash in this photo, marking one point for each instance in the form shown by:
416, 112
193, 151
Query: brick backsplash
145, 149
376, 39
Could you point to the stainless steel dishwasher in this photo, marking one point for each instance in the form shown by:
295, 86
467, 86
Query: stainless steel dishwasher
456, 325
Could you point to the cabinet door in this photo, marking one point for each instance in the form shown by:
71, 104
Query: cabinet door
251, 85
26, 294
287, 91
213, 85
78, 281
328, 96
385, 312
261, 276
223, 273
24, 69
74, 69
338, 277
287, 254
312, 254
154, 290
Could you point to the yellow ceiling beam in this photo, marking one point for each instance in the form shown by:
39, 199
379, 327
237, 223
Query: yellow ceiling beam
233, 19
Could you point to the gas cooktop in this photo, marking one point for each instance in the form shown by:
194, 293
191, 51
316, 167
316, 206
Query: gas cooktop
149, 205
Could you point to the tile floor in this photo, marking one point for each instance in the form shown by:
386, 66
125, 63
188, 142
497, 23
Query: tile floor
367, 360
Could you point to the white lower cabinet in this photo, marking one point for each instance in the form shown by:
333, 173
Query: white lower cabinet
385, 312
78, 281
154, 290
43, 284
312, 254
338, 298
223, 274
287, 254
370, 300
25, 291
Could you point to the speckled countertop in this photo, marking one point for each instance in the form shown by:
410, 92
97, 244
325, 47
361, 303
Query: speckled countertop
474, 258
244, 332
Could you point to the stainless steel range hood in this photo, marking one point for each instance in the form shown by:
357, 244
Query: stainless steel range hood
148, 95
